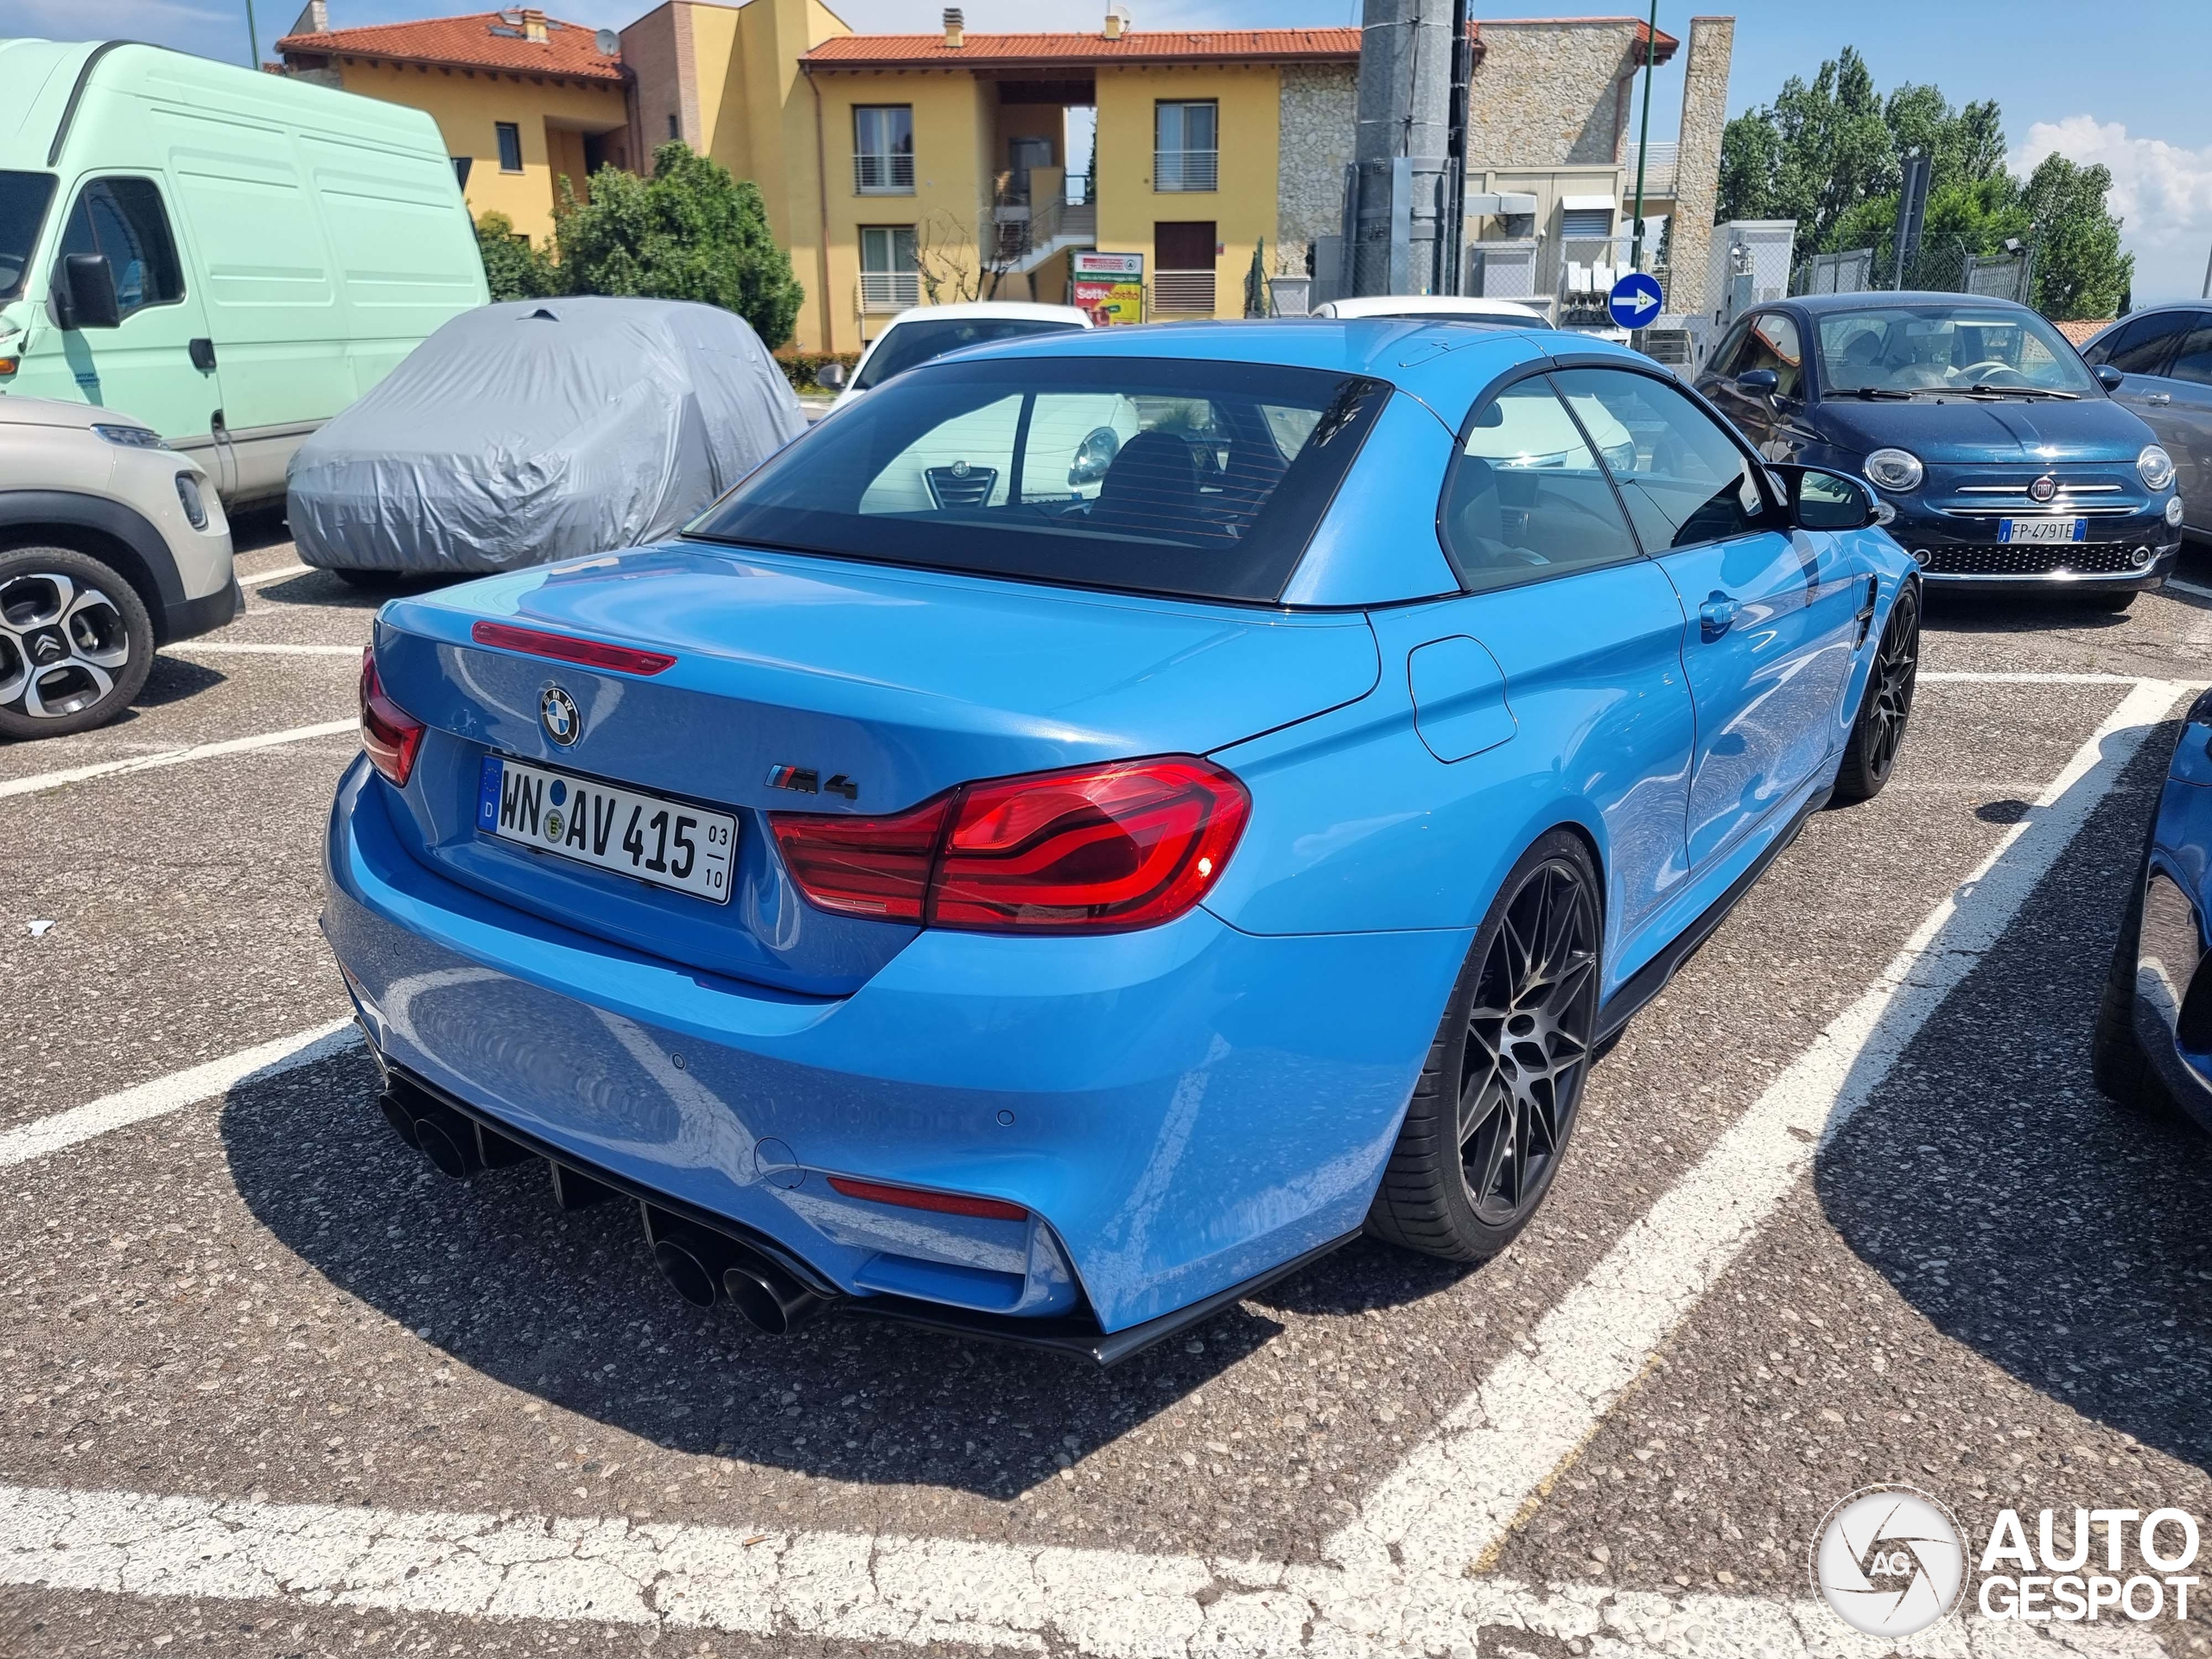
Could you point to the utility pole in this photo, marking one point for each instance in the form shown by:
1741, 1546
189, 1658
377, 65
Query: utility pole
1643, 137
252, 39
2208, 278
1454, 229
1394, 188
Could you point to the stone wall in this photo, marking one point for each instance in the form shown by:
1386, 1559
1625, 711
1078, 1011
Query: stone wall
1705, 111
1550, 93
1320, 108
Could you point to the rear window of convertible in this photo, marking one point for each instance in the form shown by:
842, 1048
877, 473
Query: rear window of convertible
1154, 476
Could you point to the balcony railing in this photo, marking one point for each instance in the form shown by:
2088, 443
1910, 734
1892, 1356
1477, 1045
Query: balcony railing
890, 290
1185, 169
1660, 168
883, 175
1183, 292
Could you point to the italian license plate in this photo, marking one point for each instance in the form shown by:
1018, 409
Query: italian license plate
2042, 529
669, 843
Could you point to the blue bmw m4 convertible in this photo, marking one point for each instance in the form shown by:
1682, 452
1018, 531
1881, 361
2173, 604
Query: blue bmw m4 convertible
1109, 817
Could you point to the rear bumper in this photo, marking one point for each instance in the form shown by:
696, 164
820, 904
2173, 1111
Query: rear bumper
187, 619
1181, 1109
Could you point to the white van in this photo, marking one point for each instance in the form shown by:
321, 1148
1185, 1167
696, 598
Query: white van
228, 257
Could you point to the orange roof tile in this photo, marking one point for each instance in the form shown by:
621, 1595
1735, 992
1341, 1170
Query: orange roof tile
1058, 51
1073, 50
483, 40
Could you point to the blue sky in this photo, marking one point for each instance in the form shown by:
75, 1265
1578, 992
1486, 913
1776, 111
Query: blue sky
2125, 86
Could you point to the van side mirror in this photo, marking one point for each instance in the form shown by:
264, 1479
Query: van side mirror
1821, 499
1759, 383
830, 376
2110, 377
89, 288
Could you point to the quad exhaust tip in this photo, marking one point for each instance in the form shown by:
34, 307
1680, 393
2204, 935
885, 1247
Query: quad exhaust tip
702, 1266
706, 1268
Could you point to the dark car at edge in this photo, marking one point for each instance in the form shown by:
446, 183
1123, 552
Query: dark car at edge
2009, 462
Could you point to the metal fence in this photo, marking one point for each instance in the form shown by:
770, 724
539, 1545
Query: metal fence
1946, 265
1185, 169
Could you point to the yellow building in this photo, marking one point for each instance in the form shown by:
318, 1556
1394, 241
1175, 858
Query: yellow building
905, 170
523, 99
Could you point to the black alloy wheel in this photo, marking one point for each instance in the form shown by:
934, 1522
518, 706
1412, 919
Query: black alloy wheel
1884, 712
1528, 1037
1494, 1109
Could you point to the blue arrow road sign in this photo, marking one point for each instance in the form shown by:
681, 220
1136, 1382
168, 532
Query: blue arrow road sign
1634, 300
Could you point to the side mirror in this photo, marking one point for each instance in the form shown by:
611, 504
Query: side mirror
90, 286
1821, 499
1759, 383
830, 376
2110, 377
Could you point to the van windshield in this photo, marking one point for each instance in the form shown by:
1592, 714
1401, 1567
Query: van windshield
23, 198
1148, 475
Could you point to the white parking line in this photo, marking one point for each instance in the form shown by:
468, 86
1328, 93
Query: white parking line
175, 1092
2194, 589
853, 1587
1957, 676
1451, 1505
45, 780
277, 574
225, 648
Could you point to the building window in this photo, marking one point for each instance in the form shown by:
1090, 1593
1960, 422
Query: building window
883, 149
674, 130
461, 165
888, 279
510, 146
1186, 145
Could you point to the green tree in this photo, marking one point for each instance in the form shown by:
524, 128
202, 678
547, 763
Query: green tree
690, 232
1829, 155
2080, 270
1255, 282
512, 269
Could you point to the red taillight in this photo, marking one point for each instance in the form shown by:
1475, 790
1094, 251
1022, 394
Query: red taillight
913, 1197
589, 653
390, 736
1089, 850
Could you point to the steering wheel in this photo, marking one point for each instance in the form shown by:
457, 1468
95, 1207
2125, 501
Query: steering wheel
1981, 372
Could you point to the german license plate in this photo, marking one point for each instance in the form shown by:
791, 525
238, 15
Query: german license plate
668, 843
2042, 529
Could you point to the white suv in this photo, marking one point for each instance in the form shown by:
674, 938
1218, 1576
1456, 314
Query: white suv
111, 545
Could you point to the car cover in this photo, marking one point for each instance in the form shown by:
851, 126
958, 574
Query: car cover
542, 429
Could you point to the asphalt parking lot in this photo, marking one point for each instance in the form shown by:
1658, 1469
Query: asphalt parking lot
1843, 1207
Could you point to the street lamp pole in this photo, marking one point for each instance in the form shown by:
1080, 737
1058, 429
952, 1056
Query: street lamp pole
1643, 136
252, 39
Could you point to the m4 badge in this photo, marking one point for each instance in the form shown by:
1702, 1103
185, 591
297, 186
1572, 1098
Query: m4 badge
806, 780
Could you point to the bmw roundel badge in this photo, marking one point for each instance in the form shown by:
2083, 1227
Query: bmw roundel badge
556, 713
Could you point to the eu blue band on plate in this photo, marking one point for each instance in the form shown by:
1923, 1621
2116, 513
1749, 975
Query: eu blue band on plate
487, 794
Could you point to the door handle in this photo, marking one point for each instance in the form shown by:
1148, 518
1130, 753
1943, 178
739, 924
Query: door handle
1715, 616
202, 351
2160, 397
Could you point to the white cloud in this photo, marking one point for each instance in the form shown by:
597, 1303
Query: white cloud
2162, 192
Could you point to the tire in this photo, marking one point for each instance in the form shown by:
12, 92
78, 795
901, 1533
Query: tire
2117, 1061
369, 582
1877, 733
76, 644
2113, 603
1479, 1098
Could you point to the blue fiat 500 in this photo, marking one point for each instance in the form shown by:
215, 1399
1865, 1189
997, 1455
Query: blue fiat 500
2153, 1050
2007, 461
1107, 818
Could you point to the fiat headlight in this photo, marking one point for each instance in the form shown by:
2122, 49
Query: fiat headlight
1895, 469
2156, 466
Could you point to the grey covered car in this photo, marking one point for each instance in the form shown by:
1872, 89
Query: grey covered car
524, 433
2163, 355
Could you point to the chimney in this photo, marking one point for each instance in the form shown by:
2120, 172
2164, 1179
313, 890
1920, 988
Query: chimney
533, 23
953, 35
314, 19
1113, 25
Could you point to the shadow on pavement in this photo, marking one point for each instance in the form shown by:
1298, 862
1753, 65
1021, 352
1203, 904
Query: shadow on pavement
2064, 1241
569, 1307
